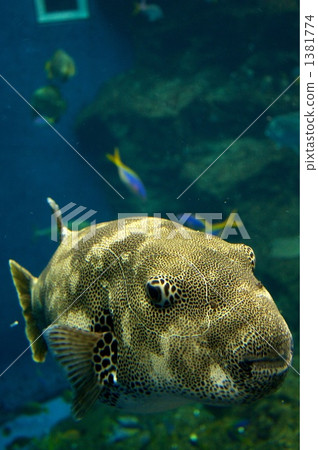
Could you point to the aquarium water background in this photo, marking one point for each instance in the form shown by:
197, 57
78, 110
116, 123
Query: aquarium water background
172, 93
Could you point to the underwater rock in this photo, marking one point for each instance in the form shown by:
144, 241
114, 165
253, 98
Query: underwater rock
176, 122
245, 159
34, 425
185, 94
145, 94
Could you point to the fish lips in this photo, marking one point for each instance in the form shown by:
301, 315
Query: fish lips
278, 361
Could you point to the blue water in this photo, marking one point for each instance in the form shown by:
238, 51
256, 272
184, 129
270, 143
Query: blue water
34, 161
201, 74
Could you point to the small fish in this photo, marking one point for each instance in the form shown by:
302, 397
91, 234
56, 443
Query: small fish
152, 11
127, 175
49, 103
121, 434
193, 222
233, 221
215, 229
61, 66
128, 422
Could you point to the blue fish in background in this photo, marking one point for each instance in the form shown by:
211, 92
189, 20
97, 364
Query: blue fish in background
152, 11
193, 222
284, 130
127, 175
216, 229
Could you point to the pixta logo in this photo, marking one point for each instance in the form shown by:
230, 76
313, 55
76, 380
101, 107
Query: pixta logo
206, 222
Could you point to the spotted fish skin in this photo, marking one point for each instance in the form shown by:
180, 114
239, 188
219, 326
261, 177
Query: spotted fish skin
146, 315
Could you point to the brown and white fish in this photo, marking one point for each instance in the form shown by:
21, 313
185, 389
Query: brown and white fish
145, 315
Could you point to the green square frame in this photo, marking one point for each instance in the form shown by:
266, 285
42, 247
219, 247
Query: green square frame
80, 12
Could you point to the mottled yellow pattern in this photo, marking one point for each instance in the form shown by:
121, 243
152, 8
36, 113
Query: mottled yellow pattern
147, 317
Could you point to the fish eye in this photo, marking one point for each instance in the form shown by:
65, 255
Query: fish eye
154, 293
158, 292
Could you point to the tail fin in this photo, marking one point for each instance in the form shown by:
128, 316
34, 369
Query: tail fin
115, 158
24, 283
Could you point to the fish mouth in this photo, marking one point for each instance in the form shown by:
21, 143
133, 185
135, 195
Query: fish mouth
278, 364
269, 363
277, 361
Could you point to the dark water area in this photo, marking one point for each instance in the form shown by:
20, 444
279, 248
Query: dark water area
173, 94
35, 162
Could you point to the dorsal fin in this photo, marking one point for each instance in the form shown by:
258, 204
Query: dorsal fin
73, 348
24, 282
61, 228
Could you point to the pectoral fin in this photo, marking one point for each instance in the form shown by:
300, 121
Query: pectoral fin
74, 348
